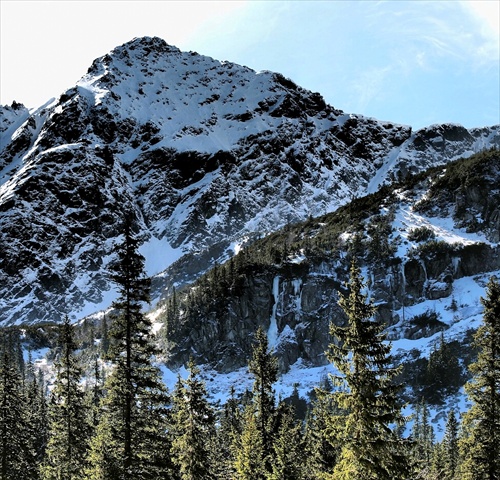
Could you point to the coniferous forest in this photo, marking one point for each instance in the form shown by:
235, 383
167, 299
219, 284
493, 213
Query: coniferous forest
122, 423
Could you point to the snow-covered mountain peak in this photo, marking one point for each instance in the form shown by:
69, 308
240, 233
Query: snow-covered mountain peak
200, 153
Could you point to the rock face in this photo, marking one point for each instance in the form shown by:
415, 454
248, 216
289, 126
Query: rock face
411, 251
201, 154
306, 303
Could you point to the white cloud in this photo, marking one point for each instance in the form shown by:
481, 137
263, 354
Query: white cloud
488, 13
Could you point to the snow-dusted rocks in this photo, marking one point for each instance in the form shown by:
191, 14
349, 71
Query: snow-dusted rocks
201, 153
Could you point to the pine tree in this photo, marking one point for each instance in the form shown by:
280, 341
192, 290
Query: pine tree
93, 396
264, 367
229, 423
444, 373
131, 441
192, 426
288, 447
104, 346
480, 449
259, 419
68, 428
370, 448
14, 453
422, 436
249, 458
450, 447
321, 443
36, 419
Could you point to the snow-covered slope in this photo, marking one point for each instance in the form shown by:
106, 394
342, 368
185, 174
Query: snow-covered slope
201, 154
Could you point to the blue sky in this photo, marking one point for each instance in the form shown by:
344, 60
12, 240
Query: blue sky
411, 62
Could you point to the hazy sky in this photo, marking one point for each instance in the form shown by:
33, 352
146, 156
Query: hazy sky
412, 62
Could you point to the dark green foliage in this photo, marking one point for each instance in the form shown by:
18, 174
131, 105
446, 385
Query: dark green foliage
255, 452
366, 392
480, 447
14, 453
104, 337
444, 375
224, 445
249, 457
264, 367
36, 420
450, 447
298, 404
425, 324
192, 427
474, 171
432, 249
422, 438
69, 430
288, 458
421, 234
321, 444
131, 442
380, 249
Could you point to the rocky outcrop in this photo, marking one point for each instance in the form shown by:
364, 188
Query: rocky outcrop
293, 294
203, 154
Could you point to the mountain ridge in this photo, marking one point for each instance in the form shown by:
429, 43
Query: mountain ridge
202, 154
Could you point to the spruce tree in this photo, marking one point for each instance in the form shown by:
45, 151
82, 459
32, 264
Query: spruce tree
192, 427
422, 437
444, 373
288, 458
264, 367
131, 441
450, 447
321, 446
255, 449
229, 421
36, 419
480, 449
68, 433
104, 345
249, 457
94, 394
371, 448
14, 454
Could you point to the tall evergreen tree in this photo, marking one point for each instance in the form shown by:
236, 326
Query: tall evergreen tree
322, 446
68, 434
481, 447
264, 367
371, 449
444, 373
131, 442
422, 437
36, 418
229, 423
13, 448
259, 420
249, 457
450, 447
288, 458
93, 396
104, 345
193, 427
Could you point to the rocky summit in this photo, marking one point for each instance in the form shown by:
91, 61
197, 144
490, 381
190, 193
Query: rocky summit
204, 156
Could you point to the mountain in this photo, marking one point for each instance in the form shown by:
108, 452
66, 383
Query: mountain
204, 156
426, 245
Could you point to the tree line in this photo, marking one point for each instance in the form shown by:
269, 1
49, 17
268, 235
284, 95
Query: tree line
129, 426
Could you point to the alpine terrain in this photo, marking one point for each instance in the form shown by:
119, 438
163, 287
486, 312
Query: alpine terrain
203, 156
207, 272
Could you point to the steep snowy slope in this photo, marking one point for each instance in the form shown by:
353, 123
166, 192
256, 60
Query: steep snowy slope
426, 248
200, 153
